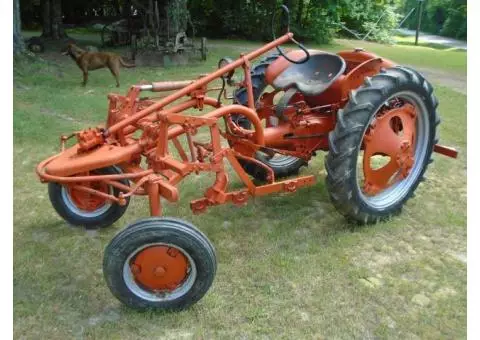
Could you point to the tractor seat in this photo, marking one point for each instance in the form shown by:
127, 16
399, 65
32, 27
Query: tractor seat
314, 76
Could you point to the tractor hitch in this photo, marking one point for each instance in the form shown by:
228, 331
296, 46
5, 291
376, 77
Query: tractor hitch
445, 150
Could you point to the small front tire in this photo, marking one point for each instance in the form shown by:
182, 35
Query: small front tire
159, 263
81, 209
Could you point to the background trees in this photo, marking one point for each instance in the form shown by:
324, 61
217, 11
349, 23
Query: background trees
443, 17
52, 19
315, 20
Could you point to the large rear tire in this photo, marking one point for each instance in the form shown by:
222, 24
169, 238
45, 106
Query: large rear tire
378, 122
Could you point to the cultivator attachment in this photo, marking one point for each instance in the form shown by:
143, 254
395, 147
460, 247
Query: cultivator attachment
139, 128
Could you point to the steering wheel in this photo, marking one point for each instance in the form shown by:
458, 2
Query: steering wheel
307, 54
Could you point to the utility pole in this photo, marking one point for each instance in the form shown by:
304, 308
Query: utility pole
419, 19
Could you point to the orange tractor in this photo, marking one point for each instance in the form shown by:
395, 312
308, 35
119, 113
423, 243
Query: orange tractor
376, 120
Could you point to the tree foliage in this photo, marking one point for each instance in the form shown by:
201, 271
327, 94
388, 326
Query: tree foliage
312, 20
443, 17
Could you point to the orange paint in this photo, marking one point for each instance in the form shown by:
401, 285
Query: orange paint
159, 268
383, 137
154, 160
86, 201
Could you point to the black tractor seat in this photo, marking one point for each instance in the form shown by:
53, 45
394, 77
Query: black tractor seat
314, 76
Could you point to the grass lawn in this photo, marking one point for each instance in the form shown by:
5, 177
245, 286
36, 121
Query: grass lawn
289, 265
447, 60
452, 60
410, 40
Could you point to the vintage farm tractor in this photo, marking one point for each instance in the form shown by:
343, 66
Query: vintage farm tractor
376, 120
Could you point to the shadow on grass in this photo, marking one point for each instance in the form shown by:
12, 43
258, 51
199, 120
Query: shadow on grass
58, 228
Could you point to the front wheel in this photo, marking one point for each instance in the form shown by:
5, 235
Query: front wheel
381, 145
159, 263
80, 208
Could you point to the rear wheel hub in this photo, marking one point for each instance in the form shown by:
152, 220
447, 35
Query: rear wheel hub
389, 148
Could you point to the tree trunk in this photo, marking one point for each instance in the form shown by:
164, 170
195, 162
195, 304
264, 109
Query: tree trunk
116, 5
57, 28
18, 44
52, 19
126, 8
46, 19
299, 13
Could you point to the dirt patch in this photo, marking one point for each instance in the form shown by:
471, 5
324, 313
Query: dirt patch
109, 315
460, 257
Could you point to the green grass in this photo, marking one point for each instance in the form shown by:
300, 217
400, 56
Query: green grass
289, 265
404, 52
451, 60
410, 40
448, 60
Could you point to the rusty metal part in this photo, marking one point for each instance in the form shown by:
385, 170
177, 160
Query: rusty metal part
445, 150
223, 62
168, 85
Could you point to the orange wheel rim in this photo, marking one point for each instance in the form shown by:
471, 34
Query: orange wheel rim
160, 268
392, 137
87, 201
